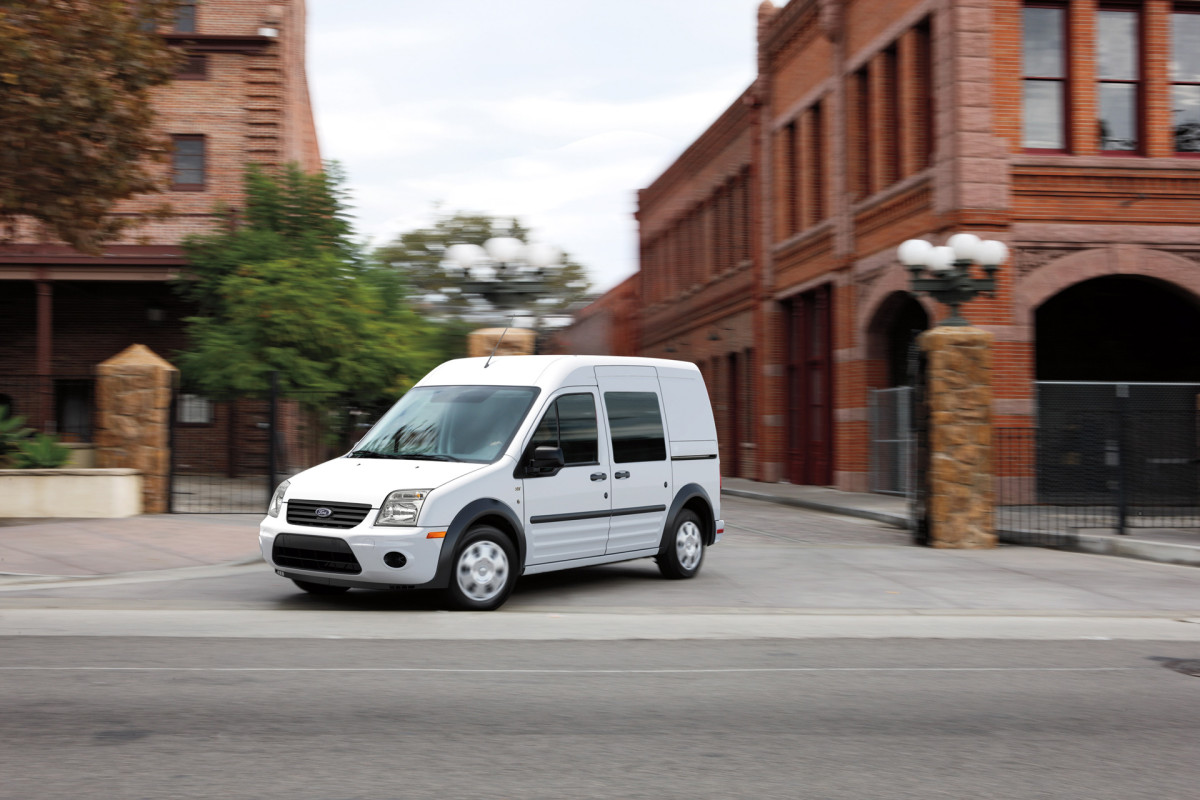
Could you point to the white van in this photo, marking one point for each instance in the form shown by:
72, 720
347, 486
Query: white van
489, 469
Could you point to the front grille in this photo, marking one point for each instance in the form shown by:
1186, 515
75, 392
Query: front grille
342, 515
316, 553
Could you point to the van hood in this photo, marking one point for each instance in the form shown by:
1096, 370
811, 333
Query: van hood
370, 480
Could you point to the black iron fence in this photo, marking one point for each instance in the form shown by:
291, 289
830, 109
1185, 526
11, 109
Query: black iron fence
228, 456
1104, 457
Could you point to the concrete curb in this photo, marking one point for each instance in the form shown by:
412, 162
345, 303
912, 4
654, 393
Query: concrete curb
1160, 552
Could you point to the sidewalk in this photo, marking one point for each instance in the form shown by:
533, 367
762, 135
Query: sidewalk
92, 547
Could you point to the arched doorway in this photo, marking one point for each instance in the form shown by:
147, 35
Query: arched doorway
892, 336
1118, 392
1119, 328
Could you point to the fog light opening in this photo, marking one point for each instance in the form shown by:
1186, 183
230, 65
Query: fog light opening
395, 560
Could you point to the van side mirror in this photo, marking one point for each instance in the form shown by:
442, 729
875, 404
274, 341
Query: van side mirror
546, 460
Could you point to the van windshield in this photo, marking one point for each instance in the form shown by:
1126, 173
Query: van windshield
449, 423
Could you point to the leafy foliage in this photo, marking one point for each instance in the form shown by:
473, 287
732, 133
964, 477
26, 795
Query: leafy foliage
42, 452
418, 255
286, 291
75, 79
12, 434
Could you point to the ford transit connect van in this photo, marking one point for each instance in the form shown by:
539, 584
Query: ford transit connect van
489, 469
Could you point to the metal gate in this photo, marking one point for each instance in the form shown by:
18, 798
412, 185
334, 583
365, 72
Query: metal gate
891, 440
227, 457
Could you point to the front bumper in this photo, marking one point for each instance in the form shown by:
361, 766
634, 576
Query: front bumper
369, 545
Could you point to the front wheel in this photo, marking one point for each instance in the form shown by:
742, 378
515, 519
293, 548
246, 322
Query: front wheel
684, 550
484, 570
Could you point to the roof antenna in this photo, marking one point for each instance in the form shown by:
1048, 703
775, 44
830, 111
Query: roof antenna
495, 346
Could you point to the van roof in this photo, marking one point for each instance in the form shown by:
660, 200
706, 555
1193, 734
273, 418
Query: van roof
541, 370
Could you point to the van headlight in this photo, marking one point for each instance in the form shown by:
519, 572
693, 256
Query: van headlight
277, 499
401, 507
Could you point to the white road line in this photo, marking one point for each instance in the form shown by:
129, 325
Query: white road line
502, 671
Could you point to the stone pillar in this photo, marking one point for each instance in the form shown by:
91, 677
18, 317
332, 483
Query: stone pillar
959, 388
516, 342
133, 419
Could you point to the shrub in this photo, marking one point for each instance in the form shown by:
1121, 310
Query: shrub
42, 452
12, 433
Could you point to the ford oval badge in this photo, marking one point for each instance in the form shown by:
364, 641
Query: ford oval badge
324, 512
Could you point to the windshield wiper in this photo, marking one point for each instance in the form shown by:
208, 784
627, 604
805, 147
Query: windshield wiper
425, 457
370, 454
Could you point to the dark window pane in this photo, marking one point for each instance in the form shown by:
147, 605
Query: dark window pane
1043, 42
1185, 47
636, 425
546, 434
185, 17
1117, 48
1118, 116
1043, 116
577, 415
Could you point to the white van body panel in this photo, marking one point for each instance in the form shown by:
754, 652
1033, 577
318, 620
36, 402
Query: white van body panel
573, 518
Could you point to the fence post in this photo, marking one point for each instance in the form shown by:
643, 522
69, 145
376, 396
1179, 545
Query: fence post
272, 423
1122, 404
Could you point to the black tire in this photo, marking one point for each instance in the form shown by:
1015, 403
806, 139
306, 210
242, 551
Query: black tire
682, 552
484, 570
320, 588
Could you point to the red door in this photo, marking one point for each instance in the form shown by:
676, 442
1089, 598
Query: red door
810, 388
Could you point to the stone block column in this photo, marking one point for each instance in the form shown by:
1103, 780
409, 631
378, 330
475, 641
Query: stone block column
133, 420
959, 397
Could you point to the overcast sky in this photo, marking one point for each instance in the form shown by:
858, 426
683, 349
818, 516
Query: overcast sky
553, 112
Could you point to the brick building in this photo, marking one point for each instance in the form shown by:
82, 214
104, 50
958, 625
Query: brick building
241, 98
1068, 130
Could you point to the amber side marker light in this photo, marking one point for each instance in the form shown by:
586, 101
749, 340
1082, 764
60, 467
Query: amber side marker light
436, 535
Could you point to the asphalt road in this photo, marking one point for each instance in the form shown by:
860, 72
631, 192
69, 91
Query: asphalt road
814, 657
209, 718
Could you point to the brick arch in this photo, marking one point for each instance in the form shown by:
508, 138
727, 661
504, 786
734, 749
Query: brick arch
1065, 272
893, 280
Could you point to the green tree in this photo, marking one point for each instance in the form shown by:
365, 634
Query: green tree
77, 131
285, 290
418, 255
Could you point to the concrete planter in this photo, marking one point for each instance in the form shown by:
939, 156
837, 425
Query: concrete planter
70, 493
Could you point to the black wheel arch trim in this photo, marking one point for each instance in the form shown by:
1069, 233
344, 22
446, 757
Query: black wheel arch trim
470, 514
687, 493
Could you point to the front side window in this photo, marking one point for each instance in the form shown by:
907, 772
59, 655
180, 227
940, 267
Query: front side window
1118, 68
1185, 80
636, 426
570, 424
449, 423
1045, 69
188, 163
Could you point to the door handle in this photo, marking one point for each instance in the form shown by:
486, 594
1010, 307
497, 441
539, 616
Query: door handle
598, 476
621, 474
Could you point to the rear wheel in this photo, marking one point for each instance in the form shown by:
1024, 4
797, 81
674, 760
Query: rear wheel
320, 588
684, 549
484, 570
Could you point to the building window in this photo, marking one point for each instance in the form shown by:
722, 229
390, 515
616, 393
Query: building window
791, 165
891, 100
193, 68
1185, 80
860, 149
923, 100
193, 409
1118, 68
185, 16
188, 163
1045, 82
816, 165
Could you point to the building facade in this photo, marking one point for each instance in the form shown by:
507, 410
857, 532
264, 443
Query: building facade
1068, 130
240, 98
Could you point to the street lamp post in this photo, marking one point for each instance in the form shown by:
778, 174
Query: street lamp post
510, 276
944, 273
506, 272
